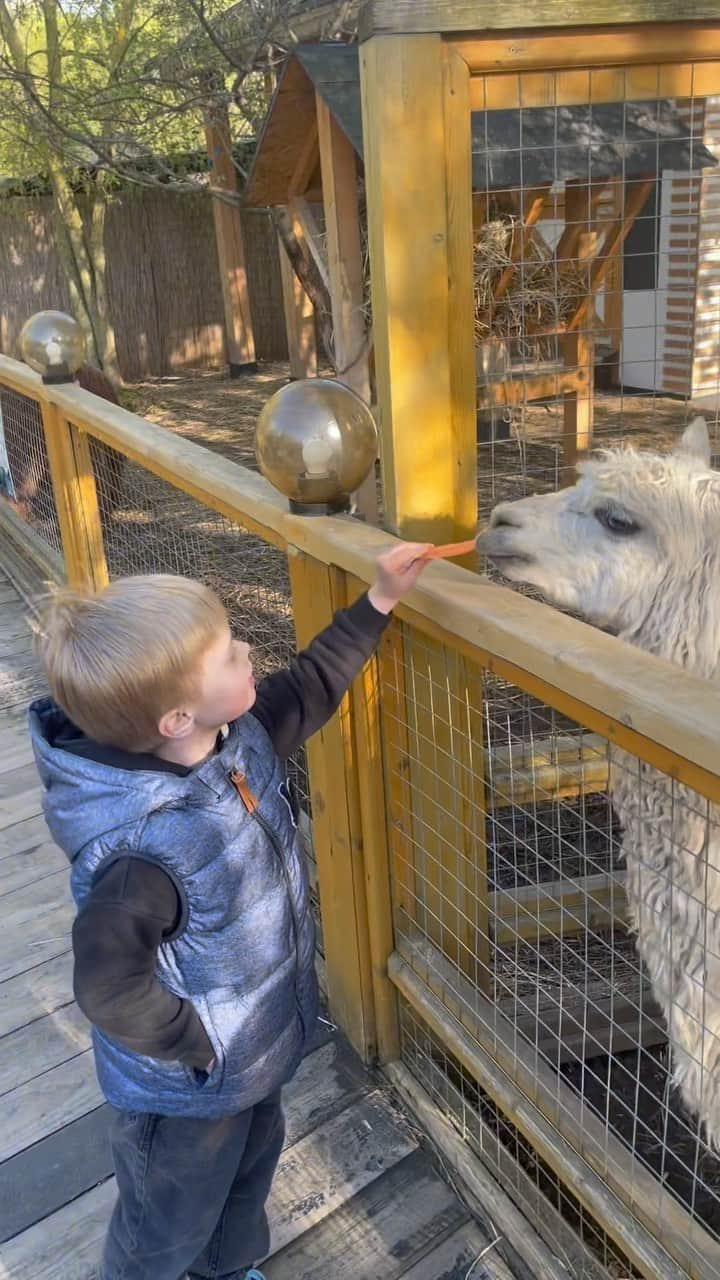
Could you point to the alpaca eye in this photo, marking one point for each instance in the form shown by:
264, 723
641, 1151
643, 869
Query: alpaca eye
616, 522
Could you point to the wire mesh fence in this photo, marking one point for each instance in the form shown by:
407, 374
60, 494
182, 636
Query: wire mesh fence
561, 897
597, 278
25, 482
595, 265
579, 1242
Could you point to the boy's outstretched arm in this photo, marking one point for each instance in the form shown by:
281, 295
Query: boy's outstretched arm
293, 704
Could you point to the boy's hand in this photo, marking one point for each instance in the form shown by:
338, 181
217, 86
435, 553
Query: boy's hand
397, 571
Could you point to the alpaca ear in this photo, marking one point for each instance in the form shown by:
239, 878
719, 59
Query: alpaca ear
695, 441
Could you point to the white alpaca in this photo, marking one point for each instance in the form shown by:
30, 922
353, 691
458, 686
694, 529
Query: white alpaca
635, 547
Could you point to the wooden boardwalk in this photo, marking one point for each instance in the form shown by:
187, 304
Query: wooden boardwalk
356, 1197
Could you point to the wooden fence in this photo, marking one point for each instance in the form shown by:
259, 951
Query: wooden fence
459, 736
163, 279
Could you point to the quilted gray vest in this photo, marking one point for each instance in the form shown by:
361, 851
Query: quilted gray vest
243, 952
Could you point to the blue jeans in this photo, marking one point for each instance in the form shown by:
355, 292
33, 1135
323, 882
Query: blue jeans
192, 1194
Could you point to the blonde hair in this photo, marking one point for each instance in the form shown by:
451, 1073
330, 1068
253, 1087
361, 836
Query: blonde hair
117, 661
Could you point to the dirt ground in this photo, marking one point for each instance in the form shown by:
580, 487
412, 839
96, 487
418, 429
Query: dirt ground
211, 408
221, 413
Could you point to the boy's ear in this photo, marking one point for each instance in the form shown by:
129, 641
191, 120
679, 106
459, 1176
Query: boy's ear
176, 724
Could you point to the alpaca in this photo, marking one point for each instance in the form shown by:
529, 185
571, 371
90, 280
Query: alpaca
634, 547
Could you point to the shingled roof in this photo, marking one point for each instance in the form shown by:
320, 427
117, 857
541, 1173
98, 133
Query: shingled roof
522, 148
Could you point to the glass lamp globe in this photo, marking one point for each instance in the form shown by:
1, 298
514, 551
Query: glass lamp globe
52, 343
316, 441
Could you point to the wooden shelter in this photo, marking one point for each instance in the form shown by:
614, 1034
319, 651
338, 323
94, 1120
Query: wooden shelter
589, 165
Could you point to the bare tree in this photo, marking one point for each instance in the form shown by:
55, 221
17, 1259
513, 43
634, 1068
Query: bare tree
102, 93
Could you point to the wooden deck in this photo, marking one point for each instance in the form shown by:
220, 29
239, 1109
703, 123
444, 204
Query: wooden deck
357, 1197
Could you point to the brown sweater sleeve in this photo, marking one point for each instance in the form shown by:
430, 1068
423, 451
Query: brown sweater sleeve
116, 936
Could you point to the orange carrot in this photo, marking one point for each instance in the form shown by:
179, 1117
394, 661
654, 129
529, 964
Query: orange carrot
450, 550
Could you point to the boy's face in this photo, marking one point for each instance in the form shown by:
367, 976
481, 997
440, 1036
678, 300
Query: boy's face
227, 687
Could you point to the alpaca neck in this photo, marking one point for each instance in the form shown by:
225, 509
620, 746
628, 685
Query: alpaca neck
682, 624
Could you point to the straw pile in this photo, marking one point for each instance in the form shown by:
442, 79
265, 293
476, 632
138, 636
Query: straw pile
539, 297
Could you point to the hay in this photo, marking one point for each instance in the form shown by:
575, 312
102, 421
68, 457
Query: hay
542, 295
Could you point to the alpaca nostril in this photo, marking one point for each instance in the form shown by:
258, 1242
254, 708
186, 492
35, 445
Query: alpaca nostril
505, 518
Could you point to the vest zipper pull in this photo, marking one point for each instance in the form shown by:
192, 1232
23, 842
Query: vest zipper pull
240, 784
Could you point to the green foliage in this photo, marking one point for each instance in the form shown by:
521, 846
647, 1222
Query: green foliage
85, 90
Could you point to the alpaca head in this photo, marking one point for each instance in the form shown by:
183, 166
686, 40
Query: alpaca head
636, 537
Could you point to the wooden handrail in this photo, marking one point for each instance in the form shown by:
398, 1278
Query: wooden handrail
643, 703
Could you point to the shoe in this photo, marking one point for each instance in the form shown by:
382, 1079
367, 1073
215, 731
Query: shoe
254, 1275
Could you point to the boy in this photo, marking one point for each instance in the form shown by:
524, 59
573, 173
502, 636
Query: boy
193, 944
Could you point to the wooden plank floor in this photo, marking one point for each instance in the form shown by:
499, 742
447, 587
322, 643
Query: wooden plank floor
356, 1196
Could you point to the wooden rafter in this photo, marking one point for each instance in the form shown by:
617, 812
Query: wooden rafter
613, 242
308, 233
385, 17
533, 202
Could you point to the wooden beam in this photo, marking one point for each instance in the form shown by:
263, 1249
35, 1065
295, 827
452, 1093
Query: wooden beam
579, 1028
346, 272
498, 91
568, 765
461, 290
636, 196
576, 217
425, 469
239, 336
26, 556
480, 1136
579, 346
523, 390
299, 321
373, 783
588, 47
533, 202
453, 17
308, 233
292, 234
318, 591
557, 909
613, 308
76, 501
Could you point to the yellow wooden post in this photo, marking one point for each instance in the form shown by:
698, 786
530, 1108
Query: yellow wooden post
317, 591
579, 346
368, 696
230, 244
73, 480
346, 271
299, 321
614, 301
416, 127
461, 289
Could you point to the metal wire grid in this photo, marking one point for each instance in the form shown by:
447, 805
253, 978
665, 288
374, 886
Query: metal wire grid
149, 526
554, 1211
647, 343
510, 887
26, 482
